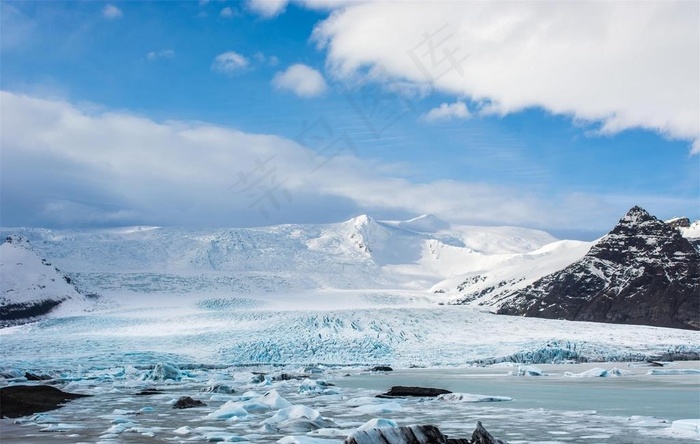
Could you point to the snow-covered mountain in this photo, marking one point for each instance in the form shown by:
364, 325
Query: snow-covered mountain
643, 272
361, 253
31, 287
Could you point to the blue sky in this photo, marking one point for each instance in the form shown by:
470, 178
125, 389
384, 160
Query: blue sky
153, 111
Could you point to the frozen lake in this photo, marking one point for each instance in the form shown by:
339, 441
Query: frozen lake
633, 393
550, 409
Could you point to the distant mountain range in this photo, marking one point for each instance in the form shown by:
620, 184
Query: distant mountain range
508, 270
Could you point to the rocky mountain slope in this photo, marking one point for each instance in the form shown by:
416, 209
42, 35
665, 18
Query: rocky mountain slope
643, 272
31, 287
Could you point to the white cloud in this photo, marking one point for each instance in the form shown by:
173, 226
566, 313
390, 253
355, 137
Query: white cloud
448, 111
267, 8
67, 165
162, 54
229, 62
302, 80
619, 64
111, 12
226, 12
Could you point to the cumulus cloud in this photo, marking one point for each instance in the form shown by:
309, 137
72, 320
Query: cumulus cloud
69, 166
616, 65
229, 63
448, 111
267, 8
162, 54
111, 12
302, 80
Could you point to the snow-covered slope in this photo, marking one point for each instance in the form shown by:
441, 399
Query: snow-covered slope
494, 283
32, 287
361, 253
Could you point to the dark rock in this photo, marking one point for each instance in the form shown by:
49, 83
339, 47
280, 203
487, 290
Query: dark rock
679, 222
288, 377
482, 436
418, 434
643, 272
149, 391
218, 388
258, 378
33, 377
186, 402
24, 400
401, 391
381, 368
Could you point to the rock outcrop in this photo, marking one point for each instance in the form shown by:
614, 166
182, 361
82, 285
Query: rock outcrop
642, 272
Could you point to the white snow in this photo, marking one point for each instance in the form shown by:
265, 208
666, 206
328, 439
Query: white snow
693, 231
692, 425
27, 278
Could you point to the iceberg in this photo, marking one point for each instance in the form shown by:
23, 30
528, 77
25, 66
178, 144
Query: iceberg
469, 397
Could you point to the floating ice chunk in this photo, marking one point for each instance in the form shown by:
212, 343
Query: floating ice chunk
273, 399
331, 433
317, 387
43, 418
223, 437
470, 397
692, 425
298, 418
185, 430
377, 423
61, 427
164, 371
305, 440
147, 409
228, 410
377, 409
595, 372
527, 370
674, 371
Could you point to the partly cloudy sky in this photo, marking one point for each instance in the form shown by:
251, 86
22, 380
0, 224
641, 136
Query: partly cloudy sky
555, 115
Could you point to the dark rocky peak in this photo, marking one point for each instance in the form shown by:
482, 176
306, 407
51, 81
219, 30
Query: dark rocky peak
679, 222
639, 235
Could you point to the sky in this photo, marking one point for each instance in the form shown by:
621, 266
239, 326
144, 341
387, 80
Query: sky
552, 115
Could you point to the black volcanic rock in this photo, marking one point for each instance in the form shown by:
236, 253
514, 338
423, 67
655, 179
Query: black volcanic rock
399, 391
186, 402
25, 400
642, 272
